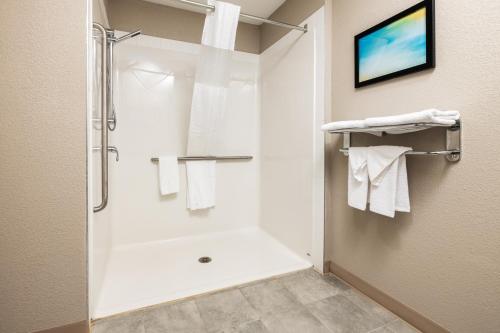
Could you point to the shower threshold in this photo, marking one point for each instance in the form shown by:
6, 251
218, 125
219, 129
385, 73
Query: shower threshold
146, 274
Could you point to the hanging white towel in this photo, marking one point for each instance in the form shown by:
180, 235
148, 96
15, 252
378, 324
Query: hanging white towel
201, 184
209, 100
168, 174
358, 178
389, 180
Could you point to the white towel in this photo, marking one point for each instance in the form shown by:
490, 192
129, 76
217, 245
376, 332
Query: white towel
434, 116
209, 100
201, 184
358, 178
168, 175
447, 118
340, 125
389, 180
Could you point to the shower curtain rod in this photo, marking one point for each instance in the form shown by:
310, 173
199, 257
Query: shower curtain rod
252, 17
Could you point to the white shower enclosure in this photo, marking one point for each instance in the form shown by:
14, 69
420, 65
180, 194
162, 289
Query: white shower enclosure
268, 220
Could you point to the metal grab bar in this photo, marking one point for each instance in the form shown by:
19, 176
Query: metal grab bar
207, 158
107, 124
104, 118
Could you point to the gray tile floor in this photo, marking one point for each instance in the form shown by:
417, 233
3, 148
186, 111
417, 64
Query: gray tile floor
302, 302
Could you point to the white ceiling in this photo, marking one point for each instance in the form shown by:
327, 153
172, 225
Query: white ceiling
262, 8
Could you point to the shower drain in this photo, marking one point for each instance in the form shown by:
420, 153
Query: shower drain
205, 260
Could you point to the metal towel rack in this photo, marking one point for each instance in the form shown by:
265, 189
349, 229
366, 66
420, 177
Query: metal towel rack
207, 158
453, 152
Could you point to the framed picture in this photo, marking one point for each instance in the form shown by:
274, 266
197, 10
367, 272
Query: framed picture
398, 46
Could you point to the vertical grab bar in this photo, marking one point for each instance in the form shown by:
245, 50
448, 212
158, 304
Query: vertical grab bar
104, 118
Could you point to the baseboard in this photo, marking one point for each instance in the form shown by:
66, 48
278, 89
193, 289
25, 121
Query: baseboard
80, 327
411, 316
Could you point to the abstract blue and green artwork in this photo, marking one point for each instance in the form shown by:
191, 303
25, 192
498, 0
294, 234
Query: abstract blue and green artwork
396, 48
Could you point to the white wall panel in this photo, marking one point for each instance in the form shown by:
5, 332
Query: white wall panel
292, 73
153, 97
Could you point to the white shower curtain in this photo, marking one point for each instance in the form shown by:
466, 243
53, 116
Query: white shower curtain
209, 100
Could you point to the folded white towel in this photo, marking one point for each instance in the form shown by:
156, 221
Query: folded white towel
358, 178
434, 116
340, 125
201, 184
389, 181
168, 174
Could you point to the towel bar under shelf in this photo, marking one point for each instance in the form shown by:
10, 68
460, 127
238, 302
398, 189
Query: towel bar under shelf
420, 153
453, 152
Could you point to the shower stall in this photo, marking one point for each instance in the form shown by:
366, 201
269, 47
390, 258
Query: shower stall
147, 249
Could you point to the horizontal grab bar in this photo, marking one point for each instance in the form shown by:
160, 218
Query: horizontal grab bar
207, 158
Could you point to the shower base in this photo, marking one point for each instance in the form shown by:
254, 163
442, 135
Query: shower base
142, 275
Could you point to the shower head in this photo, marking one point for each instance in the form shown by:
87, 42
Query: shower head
127, 36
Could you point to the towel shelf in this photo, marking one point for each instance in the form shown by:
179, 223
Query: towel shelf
395, 129
208, 158
453, 152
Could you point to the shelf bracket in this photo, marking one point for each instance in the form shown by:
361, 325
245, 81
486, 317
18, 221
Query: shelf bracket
346, 143
454, 142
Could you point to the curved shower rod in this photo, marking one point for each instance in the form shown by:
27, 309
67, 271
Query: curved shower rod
251, 17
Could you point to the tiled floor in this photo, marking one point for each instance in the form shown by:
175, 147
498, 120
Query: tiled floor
302, 302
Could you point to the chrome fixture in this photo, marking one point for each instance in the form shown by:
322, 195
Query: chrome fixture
125, 37
112, 120
112, 149
108, 114
251, 17
207, 158
112, 40
104, 118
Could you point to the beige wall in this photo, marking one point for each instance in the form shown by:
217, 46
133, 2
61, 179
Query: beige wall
291, 11
42, 169
172, 23
443, 259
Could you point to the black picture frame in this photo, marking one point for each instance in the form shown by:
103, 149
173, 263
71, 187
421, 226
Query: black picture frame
430, 44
